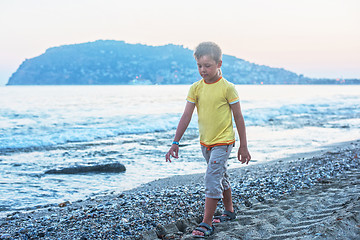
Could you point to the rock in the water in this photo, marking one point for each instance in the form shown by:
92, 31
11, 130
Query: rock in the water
111, 167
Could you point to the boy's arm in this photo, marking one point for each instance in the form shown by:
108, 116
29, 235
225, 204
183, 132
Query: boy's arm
182, 126
243, 152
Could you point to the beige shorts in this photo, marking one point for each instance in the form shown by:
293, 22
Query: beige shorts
216, 176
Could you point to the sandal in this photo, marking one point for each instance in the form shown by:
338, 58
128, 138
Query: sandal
227, 216
207, 232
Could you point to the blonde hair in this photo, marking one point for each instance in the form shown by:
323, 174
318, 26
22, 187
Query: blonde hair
208, 48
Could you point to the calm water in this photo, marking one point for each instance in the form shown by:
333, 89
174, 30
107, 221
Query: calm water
51, 127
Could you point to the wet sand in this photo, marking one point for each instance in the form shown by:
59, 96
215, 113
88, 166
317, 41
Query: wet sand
308, 196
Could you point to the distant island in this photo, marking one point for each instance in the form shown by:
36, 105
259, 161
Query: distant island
106, 62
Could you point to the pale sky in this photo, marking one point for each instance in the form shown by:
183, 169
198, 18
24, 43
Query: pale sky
317, 38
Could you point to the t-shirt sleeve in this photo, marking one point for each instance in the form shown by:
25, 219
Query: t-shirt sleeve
232, 95
191, 95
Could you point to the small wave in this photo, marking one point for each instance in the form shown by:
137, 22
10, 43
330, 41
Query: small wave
45, 135
102, 168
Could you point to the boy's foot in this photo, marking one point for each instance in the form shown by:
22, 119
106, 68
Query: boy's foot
203, 230
227, 216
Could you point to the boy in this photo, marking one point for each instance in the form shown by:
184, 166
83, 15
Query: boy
215, 99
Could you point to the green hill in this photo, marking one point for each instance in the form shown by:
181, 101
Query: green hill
117, 62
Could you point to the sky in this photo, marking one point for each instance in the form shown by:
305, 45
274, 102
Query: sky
316, 38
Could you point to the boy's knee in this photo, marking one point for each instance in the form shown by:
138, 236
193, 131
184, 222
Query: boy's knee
213, 188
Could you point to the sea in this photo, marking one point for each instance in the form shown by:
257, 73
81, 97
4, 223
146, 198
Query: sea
46, 128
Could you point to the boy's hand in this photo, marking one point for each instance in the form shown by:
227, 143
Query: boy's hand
174, 151
244, 155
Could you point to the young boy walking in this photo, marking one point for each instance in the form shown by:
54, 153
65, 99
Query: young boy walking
216, 100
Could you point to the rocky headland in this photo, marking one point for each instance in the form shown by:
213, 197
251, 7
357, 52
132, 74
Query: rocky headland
106, 62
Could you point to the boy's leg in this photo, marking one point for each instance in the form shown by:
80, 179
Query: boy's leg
217, 167
228, 204
227, 200
209, 211
210, 207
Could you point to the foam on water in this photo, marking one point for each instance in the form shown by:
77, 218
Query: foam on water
32, 126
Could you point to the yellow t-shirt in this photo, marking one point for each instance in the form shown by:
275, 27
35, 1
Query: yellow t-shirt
214, 113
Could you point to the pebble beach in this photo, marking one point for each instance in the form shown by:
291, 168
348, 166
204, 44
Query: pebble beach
307, 196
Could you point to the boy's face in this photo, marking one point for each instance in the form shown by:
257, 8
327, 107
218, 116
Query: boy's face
208, 68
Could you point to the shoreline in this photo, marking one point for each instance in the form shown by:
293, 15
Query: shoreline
171, 207
163, 182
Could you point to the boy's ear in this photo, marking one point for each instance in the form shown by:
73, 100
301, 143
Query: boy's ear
219, 64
